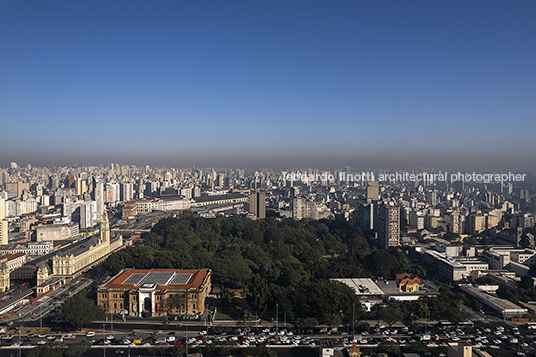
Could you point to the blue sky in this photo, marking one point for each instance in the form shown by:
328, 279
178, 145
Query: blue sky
269, 83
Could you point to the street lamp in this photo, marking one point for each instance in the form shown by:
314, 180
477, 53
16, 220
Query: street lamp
104, 338
277, 319
20, 352
353, 319
40, 319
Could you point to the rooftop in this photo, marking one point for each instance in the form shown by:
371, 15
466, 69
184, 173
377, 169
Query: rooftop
362, 286
171, 278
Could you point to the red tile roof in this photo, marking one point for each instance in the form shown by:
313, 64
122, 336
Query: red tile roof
198, 276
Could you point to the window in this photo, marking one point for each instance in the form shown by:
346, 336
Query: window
104, 296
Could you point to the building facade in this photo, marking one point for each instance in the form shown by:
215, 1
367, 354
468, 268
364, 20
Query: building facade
388, 226
161, 292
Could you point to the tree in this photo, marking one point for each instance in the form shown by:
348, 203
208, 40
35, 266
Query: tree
332, 320
508, 293
527, 282
454, 315
259, 351
392, 348
309, 322
179, 350
54, 349
391, 315
80, 311
77, 349
417, 347
177, 301
259, 293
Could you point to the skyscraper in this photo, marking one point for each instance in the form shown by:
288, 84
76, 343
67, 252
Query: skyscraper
373, 191
365, 216
388, 226
298, 208
98, 197
127, 191
257, 204
4, 232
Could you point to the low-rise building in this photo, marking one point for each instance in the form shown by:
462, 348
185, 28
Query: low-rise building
366, 290
161, 292
504, 307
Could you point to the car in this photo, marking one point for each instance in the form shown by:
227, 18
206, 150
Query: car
42, 335
119, 352
110, 337
90, 334
41, 342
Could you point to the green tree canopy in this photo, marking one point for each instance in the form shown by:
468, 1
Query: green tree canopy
80, 311
54, 349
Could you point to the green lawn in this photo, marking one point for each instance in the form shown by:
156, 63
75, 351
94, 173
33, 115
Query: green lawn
221, 316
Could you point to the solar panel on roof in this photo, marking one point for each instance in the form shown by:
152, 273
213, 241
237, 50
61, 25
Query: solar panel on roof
181, 279
161, 278
134, 279
156, 278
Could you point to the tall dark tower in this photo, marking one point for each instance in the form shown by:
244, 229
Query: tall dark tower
257, 204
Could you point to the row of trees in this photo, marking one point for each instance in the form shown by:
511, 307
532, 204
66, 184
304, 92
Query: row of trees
58, 349
444, 307
275, 262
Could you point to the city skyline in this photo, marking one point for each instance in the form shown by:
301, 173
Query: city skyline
278, 84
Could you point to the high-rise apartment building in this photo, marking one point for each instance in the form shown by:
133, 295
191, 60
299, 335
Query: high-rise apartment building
88, 214
17, 187
298, 208
373, 191
4, 232
456, 223
127, 191
477, 223
388, 226
98, 197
